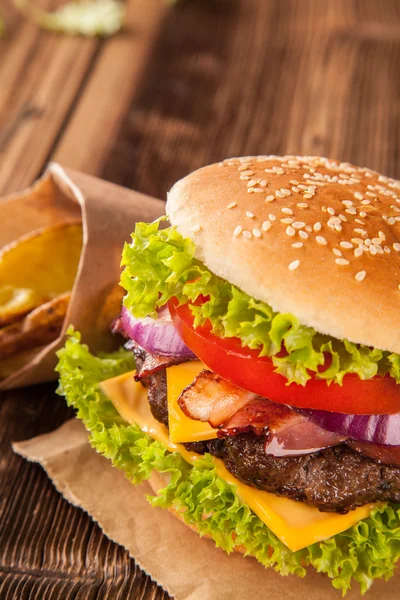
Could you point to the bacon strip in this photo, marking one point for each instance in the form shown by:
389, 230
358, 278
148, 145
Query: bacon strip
233, 410
213, 399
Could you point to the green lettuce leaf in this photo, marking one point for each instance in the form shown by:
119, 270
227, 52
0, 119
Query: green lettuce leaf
367, 551
160, 264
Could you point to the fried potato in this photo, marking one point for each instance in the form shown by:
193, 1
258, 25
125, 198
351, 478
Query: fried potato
36, 268
39, 327
17, 302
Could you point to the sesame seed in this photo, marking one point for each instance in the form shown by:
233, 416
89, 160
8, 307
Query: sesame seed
263, 183
270, 198
286, 192
341, 261
358, 251
366, 202
250, 190
303, 234
377, 241
360, 275
232, 205
250, 214
266, 226
321, 240
256, 233
371, 194
297, 245
259, 190
337, 252
295, 189
290, 231
330, 210
238, 230
372, 249
396, 246
357, 240
244, 177
196, 228
308, 228
351, 211
346, 245
347, 203
287, 211
302, 205
287, 221
382, 235
272, 217
279, 194
391, 220
247, 234
293, 265
360, 231
386, 249
317, 226
359, 221
302, 186
293, 182
307, 196
358, 196
247, 172
299, 225
362, 214
251, 183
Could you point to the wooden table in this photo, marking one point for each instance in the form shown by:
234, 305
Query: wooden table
180, 88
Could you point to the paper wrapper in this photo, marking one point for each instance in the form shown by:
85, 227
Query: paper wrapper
108, 213
186, 566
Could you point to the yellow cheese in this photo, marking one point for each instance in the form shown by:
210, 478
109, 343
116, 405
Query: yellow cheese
181, 428
130, 399
296, 524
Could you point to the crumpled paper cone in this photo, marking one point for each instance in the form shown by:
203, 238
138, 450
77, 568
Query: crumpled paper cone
108, 214
186, 566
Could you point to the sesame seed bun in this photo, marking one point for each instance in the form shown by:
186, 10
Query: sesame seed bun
310, 236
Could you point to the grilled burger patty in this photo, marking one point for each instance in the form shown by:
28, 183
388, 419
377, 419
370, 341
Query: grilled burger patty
334, 480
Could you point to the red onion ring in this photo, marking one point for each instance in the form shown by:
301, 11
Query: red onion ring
158, 336
378, 429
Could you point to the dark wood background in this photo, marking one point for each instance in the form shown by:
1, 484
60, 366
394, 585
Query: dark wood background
181, 87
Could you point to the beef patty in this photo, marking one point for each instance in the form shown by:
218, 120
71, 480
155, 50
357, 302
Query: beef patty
334, 480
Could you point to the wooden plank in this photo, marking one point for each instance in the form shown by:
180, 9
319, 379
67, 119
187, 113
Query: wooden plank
112, 84
40, 76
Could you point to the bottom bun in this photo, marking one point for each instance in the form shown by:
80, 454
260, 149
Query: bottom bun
158, 481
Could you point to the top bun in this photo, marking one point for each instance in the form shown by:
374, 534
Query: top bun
310, 236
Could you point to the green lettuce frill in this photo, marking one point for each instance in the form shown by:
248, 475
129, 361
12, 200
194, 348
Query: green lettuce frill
367, 551
160, 264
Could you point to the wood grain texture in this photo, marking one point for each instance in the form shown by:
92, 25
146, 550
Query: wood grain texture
181, 88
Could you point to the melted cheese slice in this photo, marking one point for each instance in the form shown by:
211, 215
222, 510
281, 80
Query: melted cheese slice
296, 524
181, 427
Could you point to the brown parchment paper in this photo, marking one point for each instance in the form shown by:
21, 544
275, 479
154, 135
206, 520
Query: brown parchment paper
108, 214
188, 567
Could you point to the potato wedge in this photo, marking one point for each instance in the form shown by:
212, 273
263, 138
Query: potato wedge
17, 302
37, 267
39, 327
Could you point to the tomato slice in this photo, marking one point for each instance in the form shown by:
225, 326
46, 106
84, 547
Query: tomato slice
243, 367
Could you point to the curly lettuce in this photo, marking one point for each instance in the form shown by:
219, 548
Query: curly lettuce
160, 264
367, 551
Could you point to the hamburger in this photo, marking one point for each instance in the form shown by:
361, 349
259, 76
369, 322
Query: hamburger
258, 384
